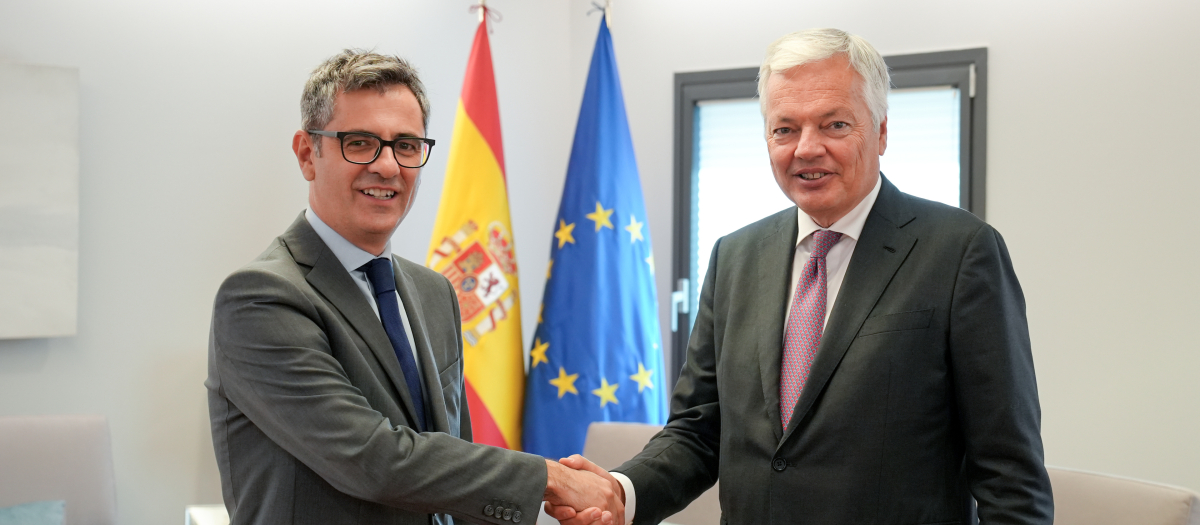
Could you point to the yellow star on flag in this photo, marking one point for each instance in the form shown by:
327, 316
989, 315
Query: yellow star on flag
607, 393
642, 378
541, 309
635, 230
538, 355
564, 233
650, 261
551, 265
600, 217
565, 382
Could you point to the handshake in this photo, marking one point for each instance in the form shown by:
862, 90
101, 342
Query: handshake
579, 492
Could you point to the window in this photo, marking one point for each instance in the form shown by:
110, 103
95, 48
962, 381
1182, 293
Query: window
927, 89
723, 180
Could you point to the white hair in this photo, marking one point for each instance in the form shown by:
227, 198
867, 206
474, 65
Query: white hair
812, 45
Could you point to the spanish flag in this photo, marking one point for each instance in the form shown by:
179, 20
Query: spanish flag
472, 245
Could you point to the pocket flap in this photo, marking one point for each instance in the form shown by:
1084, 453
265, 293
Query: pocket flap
896, 322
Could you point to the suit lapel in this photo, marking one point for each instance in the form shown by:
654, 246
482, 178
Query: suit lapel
330, 278
776, 250
429, 366
877, 256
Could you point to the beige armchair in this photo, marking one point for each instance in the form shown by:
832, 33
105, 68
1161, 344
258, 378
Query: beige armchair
610, 444
1080, 498
59, 458
1087, 498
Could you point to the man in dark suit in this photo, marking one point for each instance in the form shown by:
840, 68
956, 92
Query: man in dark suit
335, 383
910, 395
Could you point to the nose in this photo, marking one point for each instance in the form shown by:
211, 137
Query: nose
810, 145
385, 164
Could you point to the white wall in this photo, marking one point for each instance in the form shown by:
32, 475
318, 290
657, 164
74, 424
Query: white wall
1089, 173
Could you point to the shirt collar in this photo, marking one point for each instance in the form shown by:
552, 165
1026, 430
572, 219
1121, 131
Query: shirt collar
851, 225
351, 256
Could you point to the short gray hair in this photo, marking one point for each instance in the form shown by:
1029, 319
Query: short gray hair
351, 70
812, 45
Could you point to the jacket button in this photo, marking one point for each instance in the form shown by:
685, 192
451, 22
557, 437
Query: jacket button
779, 464
516, 517
489, 510
507, 514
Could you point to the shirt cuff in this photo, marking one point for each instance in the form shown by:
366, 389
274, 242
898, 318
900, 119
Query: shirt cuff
630, 496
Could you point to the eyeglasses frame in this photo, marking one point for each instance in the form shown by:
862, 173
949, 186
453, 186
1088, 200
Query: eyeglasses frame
340, 135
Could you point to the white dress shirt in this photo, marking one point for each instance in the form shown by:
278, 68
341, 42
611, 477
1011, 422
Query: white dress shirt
352, 257
838, 258
836, 261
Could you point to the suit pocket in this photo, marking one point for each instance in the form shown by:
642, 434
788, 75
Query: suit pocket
915, 320
450, 376
451, 380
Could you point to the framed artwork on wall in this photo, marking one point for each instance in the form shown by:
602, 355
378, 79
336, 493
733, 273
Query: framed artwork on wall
39, 201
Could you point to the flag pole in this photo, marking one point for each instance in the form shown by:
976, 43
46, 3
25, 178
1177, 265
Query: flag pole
482, 10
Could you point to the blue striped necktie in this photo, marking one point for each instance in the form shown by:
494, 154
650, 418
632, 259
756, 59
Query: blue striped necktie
379, 271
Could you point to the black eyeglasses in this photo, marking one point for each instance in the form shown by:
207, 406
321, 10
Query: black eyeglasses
364, 148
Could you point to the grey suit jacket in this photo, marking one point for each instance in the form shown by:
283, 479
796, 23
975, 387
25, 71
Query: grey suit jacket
922, 393
310, 412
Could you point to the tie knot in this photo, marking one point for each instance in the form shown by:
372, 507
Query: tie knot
823, 240
379, 272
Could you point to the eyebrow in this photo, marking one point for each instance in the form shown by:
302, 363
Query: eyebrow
823, 116
396, 136
836, 111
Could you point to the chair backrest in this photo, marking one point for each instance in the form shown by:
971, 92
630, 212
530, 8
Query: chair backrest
59, 458
1088, 498
608, 445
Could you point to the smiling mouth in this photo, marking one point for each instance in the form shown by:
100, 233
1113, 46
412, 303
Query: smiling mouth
812, 176
379, 194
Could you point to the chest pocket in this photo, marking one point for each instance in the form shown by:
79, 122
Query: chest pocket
915, 320
451, 380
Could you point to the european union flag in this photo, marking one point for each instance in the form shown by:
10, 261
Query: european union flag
597, 352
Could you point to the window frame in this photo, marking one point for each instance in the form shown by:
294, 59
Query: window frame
691, 88
965, 69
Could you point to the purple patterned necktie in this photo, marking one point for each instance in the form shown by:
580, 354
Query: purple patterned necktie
806, 321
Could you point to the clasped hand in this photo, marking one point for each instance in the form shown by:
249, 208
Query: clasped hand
578, 492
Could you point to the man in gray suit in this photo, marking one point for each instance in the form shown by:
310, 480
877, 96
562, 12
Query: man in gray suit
911, 395
335, 383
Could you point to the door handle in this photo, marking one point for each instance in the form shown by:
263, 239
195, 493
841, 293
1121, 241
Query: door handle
680, 302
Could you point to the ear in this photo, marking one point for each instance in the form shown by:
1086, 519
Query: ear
303, 147
883, 136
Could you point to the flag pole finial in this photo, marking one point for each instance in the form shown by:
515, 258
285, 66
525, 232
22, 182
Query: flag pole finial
485, 13
605, 10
